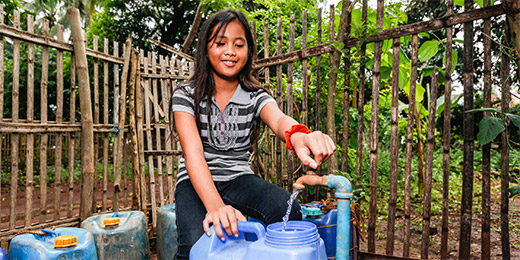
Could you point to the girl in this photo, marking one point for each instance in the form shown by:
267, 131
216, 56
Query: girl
214, 117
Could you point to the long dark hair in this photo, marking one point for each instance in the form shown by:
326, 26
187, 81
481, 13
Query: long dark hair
202, 79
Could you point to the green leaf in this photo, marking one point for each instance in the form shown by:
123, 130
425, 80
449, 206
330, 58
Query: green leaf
486, 109
427, 50
515, 119
489, 128
514, 191
454, 59
459, 2
338, 45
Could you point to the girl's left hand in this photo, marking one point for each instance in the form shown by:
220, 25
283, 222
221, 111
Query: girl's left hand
316, 143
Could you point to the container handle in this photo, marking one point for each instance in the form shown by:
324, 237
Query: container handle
51, 232
252, 227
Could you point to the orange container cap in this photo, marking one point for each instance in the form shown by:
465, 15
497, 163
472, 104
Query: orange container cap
65, 241
111, 221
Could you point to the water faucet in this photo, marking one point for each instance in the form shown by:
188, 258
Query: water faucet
343, 195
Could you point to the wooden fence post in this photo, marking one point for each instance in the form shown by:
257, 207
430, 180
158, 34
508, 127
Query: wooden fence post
87, 126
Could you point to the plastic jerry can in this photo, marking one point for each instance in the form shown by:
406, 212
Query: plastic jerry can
299, 241
121, 235
166, 243
61, 243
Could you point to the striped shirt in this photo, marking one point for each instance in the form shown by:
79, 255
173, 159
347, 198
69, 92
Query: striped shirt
226, 150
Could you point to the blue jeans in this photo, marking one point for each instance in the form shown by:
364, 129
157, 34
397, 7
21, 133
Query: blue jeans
249, 193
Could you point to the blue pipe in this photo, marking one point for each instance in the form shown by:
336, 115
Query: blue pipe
343, 195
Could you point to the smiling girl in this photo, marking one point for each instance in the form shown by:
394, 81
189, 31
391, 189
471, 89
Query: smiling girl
215, 115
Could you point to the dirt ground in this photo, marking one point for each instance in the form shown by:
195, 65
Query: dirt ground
454, 223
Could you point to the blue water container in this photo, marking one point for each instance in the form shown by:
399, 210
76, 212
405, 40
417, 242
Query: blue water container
62, 243
299, 241
120, 235
326, 223
166, 243
3, 254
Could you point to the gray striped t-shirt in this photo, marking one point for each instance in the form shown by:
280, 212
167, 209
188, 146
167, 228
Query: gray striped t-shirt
226, 150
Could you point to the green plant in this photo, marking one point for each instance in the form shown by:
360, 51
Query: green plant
490, 127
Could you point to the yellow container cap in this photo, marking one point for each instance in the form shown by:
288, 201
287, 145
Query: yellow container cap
111, 221
65, 241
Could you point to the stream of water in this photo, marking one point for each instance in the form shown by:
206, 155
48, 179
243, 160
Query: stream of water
289, 207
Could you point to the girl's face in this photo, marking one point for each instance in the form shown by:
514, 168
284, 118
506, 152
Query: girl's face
227, 52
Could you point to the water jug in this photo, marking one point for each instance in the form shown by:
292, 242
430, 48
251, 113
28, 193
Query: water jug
326, 221
122, 235
61, 243
3, 254
300, 241
166, 243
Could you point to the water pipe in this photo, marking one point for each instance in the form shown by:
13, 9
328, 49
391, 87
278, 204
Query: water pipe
343, 195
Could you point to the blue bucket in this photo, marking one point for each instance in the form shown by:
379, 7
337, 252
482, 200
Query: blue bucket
120, 235
166, 243
32, 246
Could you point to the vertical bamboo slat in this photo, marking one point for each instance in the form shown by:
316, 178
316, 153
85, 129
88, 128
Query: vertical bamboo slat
332, 162
139, 100
394, 148
95, 80
468, 143
374, 128
158, 144
317, 112
59, 136
15, 138
117, 91
87, 133
290, 76
121, 104
132, 119
446, 144
30, 117
72, 136
361, 100
486, 149
1, 73
278, 161
409, 143
149, 145
346, 88
169, 158
505, 81
105, 121
305, 80
267, 156
43, 119
427, 202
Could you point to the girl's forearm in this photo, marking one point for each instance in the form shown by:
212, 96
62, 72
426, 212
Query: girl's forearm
203, 184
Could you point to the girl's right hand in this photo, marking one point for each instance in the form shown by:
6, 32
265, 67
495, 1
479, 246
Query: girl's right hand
226, 216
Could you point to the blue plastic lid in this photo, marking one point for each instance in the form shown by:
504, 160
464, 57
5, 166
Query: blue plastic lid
311, 212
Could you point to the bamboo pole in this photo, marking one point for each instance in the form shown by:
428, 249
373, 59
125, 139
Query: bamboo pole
117, 91
317, 111
332, 162
158, 144
87, 133
121, 104
132, 119
59, 136
105, 135
72, 136
149, 143
374, 127
486, 149
30, 137
361, 100
290, 76
43, 120
1, 72
505, 81
468, 146
139, 97
267, 77
277, 143
446, 138
125, 174
346, 92
409, 143
394, 149
427, 202
15, 138
168, 134
95, 82
305, 79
